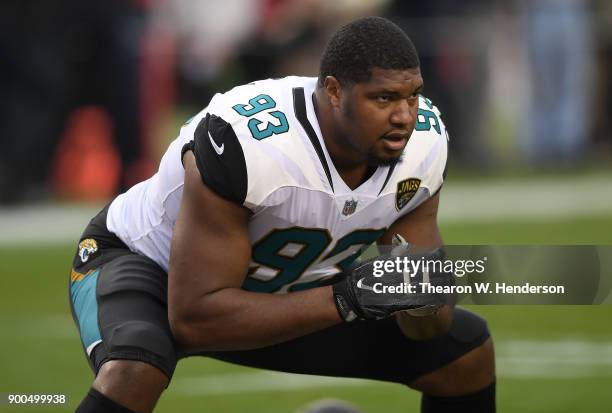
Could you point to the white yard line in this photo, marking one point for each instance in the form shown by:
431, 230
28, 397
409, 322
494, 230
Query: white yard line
537, 198
541, 199
559, 359
44, 223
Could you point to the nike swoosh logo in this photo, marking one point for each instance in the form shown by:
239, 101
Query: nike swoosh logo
362, 286
217, 148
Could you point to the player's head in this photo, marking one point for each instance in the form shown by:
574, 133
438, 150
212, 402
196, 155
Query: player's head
370, 72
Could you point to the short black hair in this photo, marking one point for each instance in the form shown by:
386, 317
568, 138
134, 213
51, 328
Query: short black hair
358, 47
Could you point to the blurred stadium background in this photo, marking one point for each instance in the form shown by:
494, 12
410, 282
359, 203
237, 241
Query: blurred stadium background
93, 91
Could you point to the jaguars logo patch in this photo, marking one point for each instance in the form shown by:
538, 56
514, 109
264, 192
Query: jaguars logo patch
405, 191
87, 248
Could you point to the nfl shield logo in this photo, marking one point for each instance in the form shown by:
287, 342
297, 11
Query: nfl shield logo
349, 207
405, 191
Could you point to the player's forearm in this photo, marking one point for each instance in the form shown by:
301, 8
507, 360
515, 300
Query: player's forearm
234, 319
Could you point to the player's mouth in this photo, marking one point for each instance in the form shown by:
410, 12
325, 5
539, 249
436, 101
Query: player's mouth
396, 142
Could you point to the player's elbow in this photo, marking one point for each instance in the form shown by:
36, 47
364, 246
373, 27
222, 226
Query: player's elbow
194, 330
190, 334
182, 331
185, 327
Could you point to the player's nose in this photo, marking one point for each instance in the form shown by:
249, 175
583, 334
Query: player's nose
403, 114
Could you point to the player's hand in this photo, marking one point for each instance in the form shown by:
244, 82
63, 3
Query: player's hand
362, 295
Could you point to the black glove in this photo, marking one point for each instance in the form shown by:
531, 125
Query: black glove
364, 296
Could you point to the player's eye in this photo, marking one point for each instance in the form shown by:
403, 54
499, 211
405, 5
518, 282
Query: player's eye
383, 98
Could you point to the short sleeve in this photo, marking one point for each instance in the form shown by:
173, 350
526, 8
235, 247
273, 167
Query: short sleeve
220, 158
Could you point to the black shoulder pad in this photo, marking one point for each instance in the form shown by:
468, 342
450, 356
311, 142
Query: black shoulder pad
220, 158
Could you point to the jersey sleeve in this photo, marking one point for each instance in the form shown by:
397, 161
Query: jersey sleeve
220, 158
246, 147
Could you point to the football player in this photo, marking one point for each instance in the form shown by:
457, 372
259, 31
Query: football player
240, 246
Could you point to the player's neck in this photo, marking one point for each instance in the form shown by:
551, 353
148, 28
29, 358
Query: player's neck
353, 170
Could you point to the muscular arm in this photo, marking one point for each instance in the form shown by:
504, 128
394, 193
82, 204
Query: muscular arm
209, 260
420, 227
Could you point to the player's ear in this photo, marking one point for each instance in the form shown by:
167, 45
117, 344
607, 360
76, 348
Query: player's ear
333, 90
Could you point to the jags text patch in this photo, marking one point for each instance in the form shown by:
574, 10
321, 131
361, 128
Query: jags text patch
405, 191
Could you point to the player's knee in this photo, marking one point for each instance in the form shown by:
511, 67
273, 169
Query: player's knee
152, 341
138, 360
425, 327
133, 384
469, 373
134, 353
117, 373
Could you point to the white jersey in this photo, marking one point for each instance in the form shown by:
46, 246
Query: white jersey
260, 145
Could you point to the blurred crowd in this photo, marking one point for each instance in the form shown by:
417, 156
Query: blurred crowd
93, 91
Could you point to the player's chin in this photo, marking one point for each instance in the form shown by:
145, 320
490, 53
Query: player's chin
385, 158
389, 151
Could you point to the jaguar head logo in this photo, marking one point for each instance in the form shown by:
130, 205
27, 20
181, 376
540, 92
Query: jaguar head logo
87, 248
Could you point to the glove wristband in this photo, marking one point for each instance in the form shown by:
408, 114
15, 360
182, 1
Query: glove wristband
345, 309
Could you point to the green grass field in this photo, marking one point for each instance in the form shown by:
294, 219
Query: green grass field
550, 358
